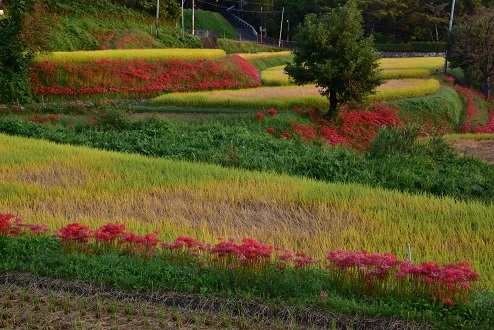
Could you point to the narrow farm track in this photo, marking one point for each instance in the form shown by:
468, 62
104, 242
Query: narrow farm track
31, 302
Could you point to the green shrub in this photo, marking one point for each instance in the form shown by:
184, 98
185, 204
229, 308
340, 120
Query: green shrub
390, 140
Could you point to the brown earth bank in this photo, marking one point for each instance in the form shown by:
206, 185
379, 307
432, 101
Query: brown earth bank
32, 302
483, 149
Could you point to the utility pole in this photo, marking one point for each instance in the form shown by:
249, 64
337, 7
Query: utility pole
260, 29
193, 17
183, 18
288, 31
450, 28
281, 26
157, 15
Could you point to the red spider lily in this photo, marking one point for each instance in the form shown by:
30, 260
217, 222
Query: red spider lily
285, 134
355, 128
52, 118
143, 245
305, 132
272, 112
259, 115
74, 232
489, 128
10, 225
303, 260
445, 283
37, 229
141, 78
270, 130
16, 108
109, 232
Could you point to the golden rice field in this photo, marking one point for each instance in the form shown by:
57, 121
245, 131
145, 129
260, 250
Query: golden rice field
130, 54
392, 68
56, 184
286, 97
262, 55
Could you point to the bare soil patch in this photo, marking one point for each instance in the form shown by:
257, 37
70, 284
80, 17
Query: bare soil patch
483, 149
32, 302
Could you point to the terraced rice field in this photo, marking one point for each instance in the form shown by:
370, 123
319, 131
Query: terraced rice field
55, 185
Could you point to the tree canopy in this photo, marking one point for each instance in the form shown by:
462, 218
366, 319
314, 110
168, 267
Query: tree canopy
333, 53
473, 48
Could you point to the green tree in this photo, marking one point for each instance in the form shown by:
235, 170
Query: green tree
332, 52
472, 48
14, 55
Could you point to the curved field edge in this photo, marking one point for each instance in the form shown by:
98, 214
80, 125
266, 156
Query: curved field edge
130, 54
53, 184
286, 97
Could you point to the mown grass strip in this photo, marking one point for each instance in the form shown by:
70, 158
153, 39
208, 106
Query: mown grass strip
54, 184
472, 136
130, 54
286, 97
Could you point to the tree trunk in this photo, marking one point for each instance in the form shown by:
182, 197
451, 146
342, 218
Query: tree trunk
333, 102
486, 88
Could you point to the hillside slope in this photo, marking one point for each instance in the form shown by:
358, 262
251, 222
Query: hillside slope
107, 24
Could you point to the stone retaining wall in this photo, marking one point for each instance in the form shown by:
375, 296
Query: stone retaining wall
408, 54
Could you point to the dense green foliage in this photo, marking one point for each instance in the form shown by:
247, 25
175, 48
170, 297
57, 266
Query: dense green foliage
391, 21
333, 53
276, 289
14, 55
472, 49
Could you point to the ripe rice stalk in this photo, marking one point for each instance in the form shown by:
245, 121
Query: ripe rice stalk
55, 185
130, 54
429, 63
261, 55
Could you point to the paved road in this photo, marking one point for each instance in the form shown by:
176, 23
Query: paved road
244, 33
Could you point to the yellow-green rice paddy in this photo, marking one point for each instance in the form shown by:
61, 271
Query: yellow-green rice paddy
54, 184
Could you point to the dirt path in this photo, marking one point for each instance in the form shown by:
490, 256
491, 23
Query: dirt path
483, 149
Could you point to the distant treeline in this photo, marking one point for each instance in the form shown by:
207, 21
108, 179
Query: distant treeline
390, 21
